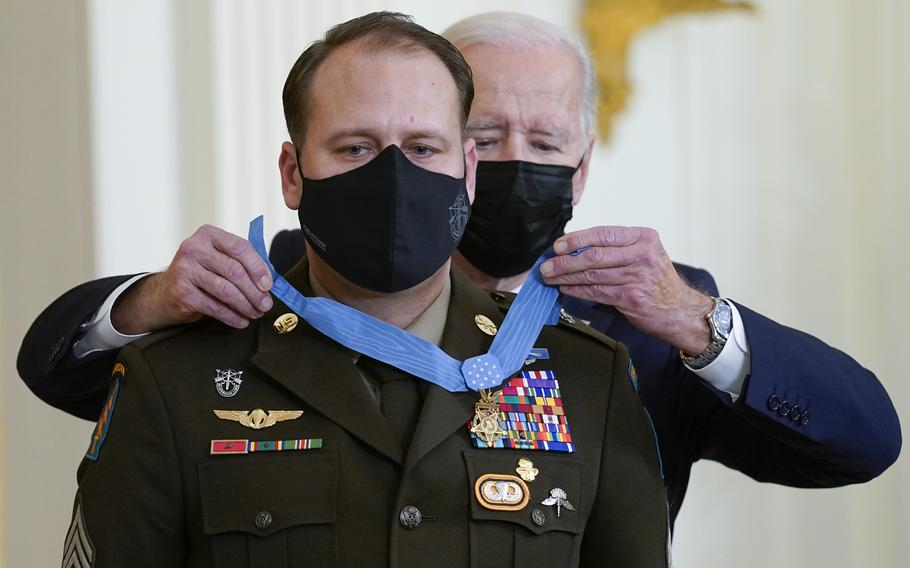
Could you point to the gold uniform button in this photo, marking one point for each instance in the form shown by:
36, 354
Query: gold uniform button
485, 324
285, 323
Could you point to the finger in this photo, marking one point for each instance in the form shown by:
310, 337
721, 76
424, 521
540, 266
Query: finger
206, 305
591, 259
592, 277
241, 250
603, 236
225, 292
232, 270
608, 295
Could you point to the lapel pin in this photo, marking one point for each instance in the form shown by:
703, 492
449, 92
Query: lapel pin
526, 470
228, 382
485, 324
258, 419
559, 498
285, 323
566, 316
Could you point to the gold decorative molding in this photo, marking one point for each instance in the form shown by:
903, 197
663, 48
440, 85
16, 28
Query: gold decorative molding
611, 26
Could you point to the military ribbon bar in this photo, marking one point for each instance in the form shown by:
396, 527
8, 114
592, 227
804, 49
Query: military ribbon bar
531, 415
228, 447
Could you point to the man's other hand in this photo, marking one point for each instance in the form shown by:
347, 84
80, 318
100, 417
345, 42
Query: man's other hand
627, 267
214, 273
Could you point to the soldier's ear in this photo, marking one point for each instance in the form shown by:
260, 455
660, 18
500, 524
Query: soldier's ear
291, 183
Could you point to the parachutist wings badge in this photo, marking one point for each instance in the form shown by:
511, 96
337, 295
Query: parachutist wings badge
258, 419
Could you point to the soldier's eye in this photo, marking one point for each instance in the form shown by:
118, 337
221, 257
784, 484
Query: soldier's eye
422, 151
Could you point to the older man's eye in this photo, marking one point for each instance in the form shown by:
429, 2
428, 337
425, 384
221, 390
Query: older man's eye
484, 143
543, 147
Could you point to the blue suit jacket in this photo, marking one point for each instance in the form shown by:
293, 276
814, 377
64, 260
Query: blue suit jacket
844, 429
852, 433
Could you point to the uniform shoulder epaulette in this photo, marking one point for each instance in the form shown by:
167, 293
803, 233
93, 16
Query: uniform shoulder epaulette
144, 343
203, 325
566, 320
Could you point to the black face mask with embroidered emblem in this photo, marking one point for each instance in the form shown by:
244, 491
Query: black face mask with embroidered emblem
387, 225
519, 209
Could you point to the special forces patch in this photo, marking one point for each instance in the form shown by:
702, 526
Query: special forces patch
78, 551
104, 420
228, 382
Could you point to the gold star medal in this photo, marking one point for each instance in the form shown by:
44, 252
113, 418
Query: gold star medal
485, 424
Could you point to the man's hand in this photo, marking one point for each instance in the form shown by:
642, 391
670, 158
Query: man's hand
214, 273
627, 267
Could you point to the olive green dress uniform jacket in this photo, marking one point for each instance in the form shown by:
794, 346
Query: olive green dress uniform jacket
156, 497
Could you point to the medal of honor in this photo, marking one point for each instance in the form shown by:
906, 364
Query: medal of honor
485, 424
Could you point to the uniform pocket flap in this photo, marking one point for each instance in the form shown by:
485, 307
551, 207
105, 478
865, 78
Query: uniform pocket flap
552, 473
262, 495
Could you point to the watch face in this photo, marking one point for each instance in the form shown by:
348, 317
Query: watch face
723, 319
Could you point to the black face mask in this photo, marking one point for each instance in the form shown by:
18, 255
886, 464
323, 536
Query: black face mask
519, 209
387, 225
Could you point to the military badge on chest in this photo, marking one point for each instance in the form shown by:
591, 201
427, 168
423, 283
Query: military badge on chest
527, 414
227, 382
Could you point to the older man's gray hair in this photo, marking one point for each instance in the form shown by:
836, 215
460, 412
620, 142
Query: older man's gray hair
521, 30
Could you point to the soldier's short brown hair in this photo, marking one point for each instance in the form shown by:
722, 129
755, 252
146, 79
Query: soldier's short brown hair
384, 30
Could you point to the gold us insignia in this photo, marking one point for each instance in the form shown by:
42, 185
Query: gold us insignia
258, 419
485, 424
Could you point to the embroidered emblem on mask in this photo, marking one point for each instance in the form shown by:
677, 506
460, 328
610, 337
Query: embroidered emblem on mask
458, 216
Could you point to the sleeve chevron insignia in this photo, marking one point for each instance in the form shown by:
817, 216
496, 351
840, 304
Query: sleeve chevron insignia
78, 551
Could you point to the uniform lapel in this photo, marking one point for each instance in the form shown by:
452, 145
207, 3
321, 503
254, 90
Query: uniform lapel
444, 412
322, 374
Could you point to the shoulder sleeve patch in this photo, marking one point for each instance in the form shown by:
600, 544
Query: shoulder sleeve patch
633, 376
78, 550
104, 420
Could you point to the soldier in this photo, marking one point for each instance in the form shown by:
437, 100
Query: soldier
276, 445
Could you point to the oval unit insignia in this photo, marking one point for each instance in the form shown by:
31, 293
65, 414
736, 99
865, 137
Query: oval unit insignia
501, 492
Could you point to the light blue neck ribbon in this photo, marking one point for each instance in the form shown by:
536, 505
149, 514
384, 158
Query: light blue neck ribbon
534, 307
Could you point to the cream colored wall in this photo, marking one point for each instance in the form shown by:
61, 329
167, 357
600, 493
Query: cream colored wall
46, 228
784, 130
